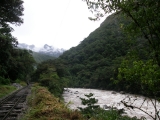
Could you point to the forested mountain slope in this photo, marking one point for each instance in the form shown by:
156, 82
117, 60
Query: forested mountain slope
39, 57
94, 62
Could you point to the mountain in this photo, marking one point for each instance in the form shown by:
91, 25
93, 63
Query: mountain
41, 57
44, 53
46, 49
95, 61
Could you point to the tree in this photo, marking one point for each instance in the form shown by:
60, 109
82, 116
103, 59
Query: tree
136, 75
144, 16
90, 109
21, 65
10, 13
139, 76
50, 74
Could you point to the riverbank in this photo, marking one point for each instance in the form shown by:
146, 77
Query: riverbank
42, 105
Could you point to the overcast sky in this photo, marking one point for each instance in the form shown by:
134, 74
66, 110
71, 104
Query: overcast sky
60, 23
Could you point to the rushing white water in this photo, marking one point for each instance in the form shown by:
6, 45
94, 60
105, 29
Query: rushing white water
72, 99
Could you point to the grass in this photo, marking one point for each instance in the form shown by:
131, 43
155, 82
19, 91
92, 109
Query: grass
6, 89
22, 83
44, 106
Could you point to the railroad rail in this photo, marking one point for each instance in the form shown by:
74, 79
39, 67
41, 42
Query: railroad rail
13, 105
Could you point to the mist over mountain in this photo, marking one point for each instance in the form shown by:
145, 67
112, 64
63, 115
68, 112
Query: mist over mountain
46, 49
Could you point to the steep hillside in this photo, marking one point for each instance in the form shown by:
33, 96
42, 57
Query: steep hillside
95, 60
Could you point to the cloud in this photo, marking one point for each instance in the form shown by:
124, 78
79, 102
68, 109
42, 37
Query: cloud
61, 23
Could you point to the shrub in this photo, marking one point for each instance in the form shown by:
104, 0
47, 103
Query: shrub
94, 112
4, 81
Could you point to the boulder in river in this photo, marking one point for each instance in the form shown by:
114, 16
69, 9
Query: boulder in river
106, 107
113, 92
122, 92
76, 92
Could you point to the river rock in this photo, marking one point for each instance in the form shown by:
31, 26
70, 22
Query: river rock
122, 92
106, 107
113, 92
76, 92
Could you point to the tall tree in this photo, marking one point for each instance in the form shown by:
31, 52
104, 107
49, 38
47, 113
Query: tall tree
10, 13
21, 65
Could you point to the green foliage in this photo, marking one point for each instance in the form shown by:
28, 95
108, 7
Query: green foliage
138, 75
4, 81
111, 115
41, 57
96, 59
50, 74
144, 18
91, 108
11, 12
45, 106
6, 47
52, 81
21, 65
14, 63
5, 90
94, 112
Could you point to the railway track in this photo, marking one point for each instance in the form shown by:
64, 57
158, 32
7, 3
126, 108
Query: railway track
13, 105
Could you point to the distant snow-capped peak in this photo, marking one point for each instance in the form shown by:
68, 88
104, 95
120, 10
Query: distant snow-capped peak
46, 49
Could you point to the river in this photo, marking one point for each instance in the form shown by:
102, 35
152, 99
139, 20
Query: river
110, 98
